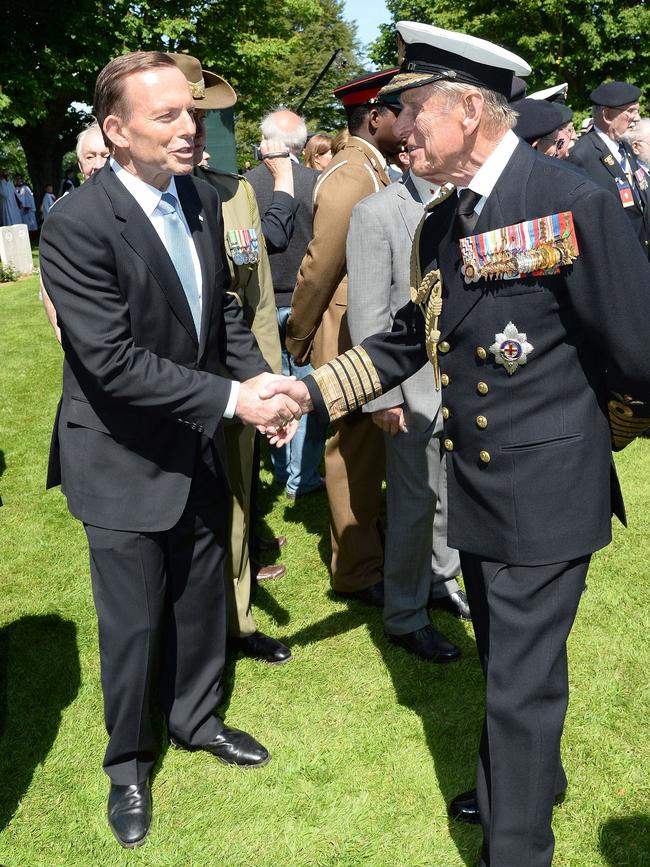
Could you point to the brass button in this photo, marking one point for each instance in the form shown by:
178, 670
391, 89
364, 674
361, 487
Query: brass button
485, 457
445, 412
482, 388
444, 346
444, 379
449, 445
481, 353
481, 421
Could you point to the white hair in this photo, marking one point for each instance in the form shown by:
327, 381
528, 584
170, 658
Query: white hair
498, 116
639, 132
292, 135
94, 127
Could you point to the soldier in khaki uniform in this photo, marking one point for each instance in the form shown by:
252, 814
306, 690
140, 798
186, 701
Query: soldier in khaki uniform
317, 331
251, 283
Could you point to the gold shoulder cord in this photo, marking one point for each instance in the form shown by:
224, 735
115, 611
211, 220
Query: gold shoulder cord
428, 294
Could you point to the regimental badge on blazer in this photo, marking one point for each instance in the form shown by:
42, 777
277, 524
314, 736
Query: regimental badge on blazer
535, 247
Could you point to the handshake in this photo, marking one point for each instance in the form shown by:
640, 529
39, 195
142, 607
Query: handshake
274, 404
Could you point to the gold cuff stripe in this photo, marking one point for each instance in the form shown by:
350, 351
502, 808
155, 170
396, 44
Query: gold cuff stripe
624, 427
347, 382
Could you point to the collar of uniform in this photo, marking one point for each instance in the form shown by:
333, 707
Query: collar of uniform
485, 179
426, 190
294, 158
378, 154
611, 144
146, 196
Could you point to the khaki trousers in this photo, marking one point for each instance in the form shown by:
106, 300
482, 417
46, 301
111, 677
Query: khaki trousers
354, 471
240, 442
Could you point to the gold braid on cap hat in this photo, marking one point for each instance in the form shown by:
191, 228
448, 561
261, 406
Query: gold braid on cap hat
197, 89
428, 294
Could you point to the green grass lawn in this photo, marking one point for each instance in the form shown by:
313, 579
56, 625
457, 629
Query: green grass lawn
368, 744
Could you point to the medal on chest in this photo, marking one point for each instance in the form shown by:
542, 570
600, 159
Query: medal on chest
511, 348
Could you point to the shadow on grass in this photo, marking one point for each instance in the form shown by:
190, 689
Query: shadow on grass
3, 463
39, 677
447, 698
625, 841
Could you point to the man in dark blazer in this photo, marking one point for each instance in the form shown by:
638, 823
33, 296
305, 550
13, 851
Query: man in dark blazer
135, 266
607, 157
535, 301
296, 467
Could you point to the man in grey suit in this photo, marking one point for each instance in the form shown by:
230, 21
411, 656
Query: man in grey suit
419, 569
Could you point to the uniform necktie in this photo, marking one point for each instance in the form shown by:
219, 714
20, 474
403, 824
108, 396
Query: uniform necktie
627, 171
466, 216
178, 247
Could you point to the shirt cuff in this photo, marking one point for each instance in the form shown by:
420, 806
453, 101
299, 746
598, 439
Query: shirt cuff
229, 411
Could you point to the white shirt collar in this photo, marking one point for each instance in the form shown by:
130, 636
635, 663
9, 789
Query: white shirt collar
485, 179
426, 190
146, 196
611, 144
380, 157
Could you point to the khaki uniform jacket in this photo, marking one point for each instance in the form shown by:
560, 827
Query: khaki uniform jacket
317, 326
251, 284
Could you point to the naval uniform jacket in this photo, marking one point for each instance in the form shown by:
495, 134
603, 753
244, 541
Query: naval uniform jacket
591, 154
530, 475
140, 389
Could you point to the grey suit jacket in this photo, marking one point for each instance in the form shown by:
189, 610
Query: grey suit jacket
378, 256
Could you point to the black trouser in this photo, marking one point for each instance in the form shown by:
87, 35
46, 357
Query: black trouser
160, 605
522, 617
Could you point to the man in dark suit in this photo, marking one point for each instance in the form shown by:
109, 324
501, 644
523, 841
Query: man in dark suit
535, 300
135, 266
607, 157
296, 467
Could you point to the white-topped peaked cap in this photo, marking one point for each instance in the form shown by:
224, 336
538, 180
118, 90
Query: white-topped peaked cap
556, 93
428, 54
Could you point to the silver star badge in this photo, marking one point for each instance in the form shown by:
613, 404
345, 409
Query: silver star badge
511, 348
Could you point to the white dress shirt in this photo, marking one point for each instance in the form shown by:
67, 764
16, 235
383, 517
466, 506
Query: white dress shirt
148, 198
485, 179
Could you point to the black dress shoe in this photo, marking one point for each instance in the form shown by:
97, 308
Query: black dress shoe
129, 813
260, 646
232, 747
427, 643
373, 595
464, 808
455, 603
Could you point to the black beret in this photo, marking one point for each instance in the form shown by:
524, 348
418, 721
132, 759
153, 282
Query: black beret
615, 93
537, 118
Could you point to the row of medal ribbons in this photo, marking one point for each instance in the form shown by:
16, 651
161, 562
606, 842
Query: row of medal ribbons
244, 246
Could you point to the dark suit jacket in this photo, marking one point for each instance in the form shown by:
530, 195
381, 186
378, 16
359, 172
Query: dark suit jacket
546, 492
284, 265
591, 154
138, 387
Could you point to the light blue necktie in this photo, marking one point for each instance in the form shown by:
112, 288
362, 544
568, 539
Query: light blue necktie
178, 247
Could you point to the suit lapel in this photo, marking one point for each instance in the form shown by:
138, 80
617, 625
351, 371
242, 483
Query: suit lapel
192, 208
141, 236
504, 206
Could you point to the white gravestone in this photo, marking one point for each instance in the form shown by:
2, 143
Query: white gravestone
15, 249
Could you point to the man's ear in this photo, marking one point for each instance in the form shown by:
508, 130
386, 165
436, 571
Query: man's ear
373, 119
473, 109
114, 132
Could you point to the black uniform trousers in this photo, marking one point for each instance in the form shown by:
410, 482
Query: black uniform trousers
160, 602
522, 617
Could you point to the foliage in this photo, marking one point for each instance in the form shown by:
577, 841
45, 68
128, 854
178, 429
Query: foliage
8, 273
367, 743
12, 156
582, 43
270, 50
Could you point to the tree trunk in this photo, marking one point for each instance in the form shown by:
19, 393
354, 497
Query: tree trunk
45, 144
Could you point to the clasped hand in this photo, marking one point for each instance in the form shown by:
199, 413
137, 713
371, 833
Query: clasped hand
274, 404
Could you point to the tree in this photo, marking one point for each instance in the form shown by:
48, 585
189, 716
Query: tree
268, 49
583, 43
